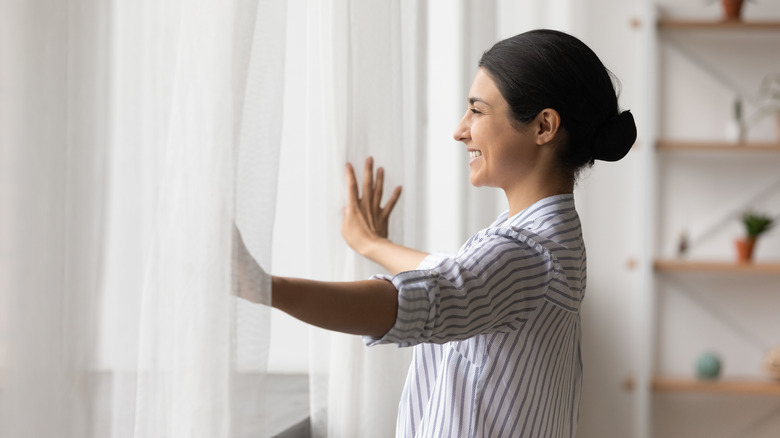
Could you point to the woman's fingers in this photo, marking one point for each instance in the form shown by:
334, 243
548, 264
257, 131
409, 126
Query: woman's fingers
368, 182
378, 187
367, 204
391, 202
352, 186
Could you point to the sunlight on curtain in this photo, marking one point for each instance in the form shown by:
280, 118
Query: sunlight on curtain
362, 99
134, 134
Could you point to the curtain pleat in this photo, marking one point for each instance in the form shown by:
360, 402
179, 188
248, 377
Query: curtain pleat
361, 68
139, 133
134, 135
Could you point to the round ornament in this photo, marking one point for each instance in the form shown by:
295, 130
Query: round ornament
708, 366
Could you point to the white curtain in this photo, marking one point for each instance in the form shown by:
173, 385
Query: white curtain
363, 97
133, 136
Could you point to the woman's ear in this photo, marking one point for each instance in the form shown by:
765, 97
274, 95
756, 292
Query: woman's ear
547, 123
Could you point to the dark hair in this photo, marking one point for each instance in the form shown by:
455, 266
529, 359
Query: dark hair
550, 69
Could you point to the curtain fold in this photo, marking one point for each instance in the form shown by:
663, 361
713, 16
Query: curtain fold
133, 136
184, 345
363, 72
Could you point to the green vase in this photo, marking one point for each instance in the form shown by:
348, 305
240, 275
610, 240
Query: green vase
708, 366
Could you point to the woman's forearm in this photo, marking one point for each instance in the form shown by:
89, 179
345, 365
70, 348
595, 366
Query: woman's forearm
393, 257
367, 307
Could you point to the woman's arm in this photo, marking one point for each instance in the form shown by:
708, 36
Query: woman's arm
367, 307
393, 257
365, 223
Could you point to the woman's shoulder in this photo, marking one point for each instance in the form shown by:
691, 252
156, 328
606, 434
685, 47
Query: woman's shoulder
549, 236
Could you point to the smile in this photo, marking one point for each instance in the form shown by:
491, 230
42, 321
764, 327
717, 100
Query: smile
475, 154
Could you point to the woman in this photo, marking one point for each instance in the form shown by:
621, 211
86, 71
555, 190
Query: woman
496, 328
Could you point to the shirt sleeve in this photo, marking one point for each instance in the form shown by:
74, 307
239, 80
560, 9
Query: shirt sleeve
494, 284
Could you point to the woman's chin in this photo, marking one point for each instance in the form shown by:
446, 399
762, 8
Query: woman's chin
475, 180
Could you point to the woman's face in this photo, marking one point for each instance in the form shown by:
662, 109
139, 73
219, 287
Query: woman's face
499, 151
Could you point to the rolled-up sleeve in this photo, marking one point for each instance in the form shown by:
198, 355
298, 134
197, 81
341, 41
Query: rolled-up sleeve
417, 292
492, 285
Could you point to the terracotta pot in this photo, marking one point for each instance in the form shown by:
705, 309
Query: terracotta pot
745, 249
732, 9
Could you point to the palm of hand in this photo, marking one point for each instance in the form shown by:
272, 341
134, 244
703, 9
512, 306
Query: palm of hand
365, 220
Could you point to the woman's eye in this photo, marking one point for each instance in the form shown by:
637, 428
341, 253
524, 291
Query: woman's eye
475, 111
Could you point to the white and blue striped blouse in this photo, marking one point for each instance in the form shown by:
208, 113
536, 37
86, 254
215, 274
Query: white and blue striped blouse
496, 330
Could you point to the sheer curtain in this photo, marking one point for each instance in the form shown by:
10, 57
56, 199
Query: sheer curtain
134, 134
363, 97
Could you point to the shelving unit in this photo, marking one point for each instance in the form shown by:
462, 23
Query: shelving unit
717, 25
714, 146
716, 267
657, 273
736, 386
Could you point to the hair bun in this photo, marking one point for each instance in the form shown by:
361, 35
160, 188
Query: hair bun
615, 137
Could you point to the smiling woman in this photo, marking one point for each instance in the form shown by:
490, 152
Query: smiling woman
498, 323
518, 158
532, 76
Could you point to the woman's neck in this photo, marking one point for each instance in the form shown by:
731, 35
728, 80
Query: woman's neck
532, 190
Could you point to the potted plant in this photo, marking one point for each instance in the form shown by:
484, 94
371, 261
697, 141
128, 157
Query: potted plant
755, 225
732, 9
736, 130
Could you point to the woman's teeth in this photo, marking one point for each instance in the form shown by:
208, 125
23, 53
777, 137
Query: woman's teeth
475, 154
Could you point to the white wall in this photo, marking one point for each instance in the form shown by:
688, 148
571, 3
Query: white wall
694, 313
608, 204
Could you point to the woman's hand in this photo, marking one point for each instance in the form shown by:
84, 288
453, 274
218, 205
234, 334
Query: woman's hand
365, 220
251, 282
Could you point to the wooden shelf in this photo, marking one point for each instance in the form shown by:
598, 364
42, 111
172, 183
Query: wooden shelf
726, 267
754, 386
718, 24
725, 146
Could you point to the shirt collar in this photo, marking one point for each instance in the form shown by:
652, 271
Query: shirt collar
551, 205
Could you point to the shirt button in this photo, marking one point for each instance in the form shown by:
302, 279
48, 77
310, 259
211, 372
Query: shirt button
433, 273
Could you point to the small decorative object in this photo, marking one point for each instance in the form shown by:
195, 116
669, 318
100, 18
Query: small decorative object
682, 244
736, 130
755, 225
772, 363
732, 9
708, 366
769, 93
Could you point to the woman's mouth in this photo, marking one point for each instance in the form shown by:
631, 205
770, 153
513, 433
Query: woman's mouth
475, 154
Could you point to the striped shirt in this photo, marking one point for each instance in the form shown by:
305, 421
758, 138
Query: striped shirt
496, 330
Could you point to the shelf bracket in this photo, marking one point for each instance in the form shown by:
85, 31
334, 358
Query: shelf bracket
733, 325
735, 213
712, 71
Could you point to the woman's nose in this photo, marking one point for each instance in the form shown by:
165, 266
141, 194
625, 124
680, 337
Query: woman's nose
463, 130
